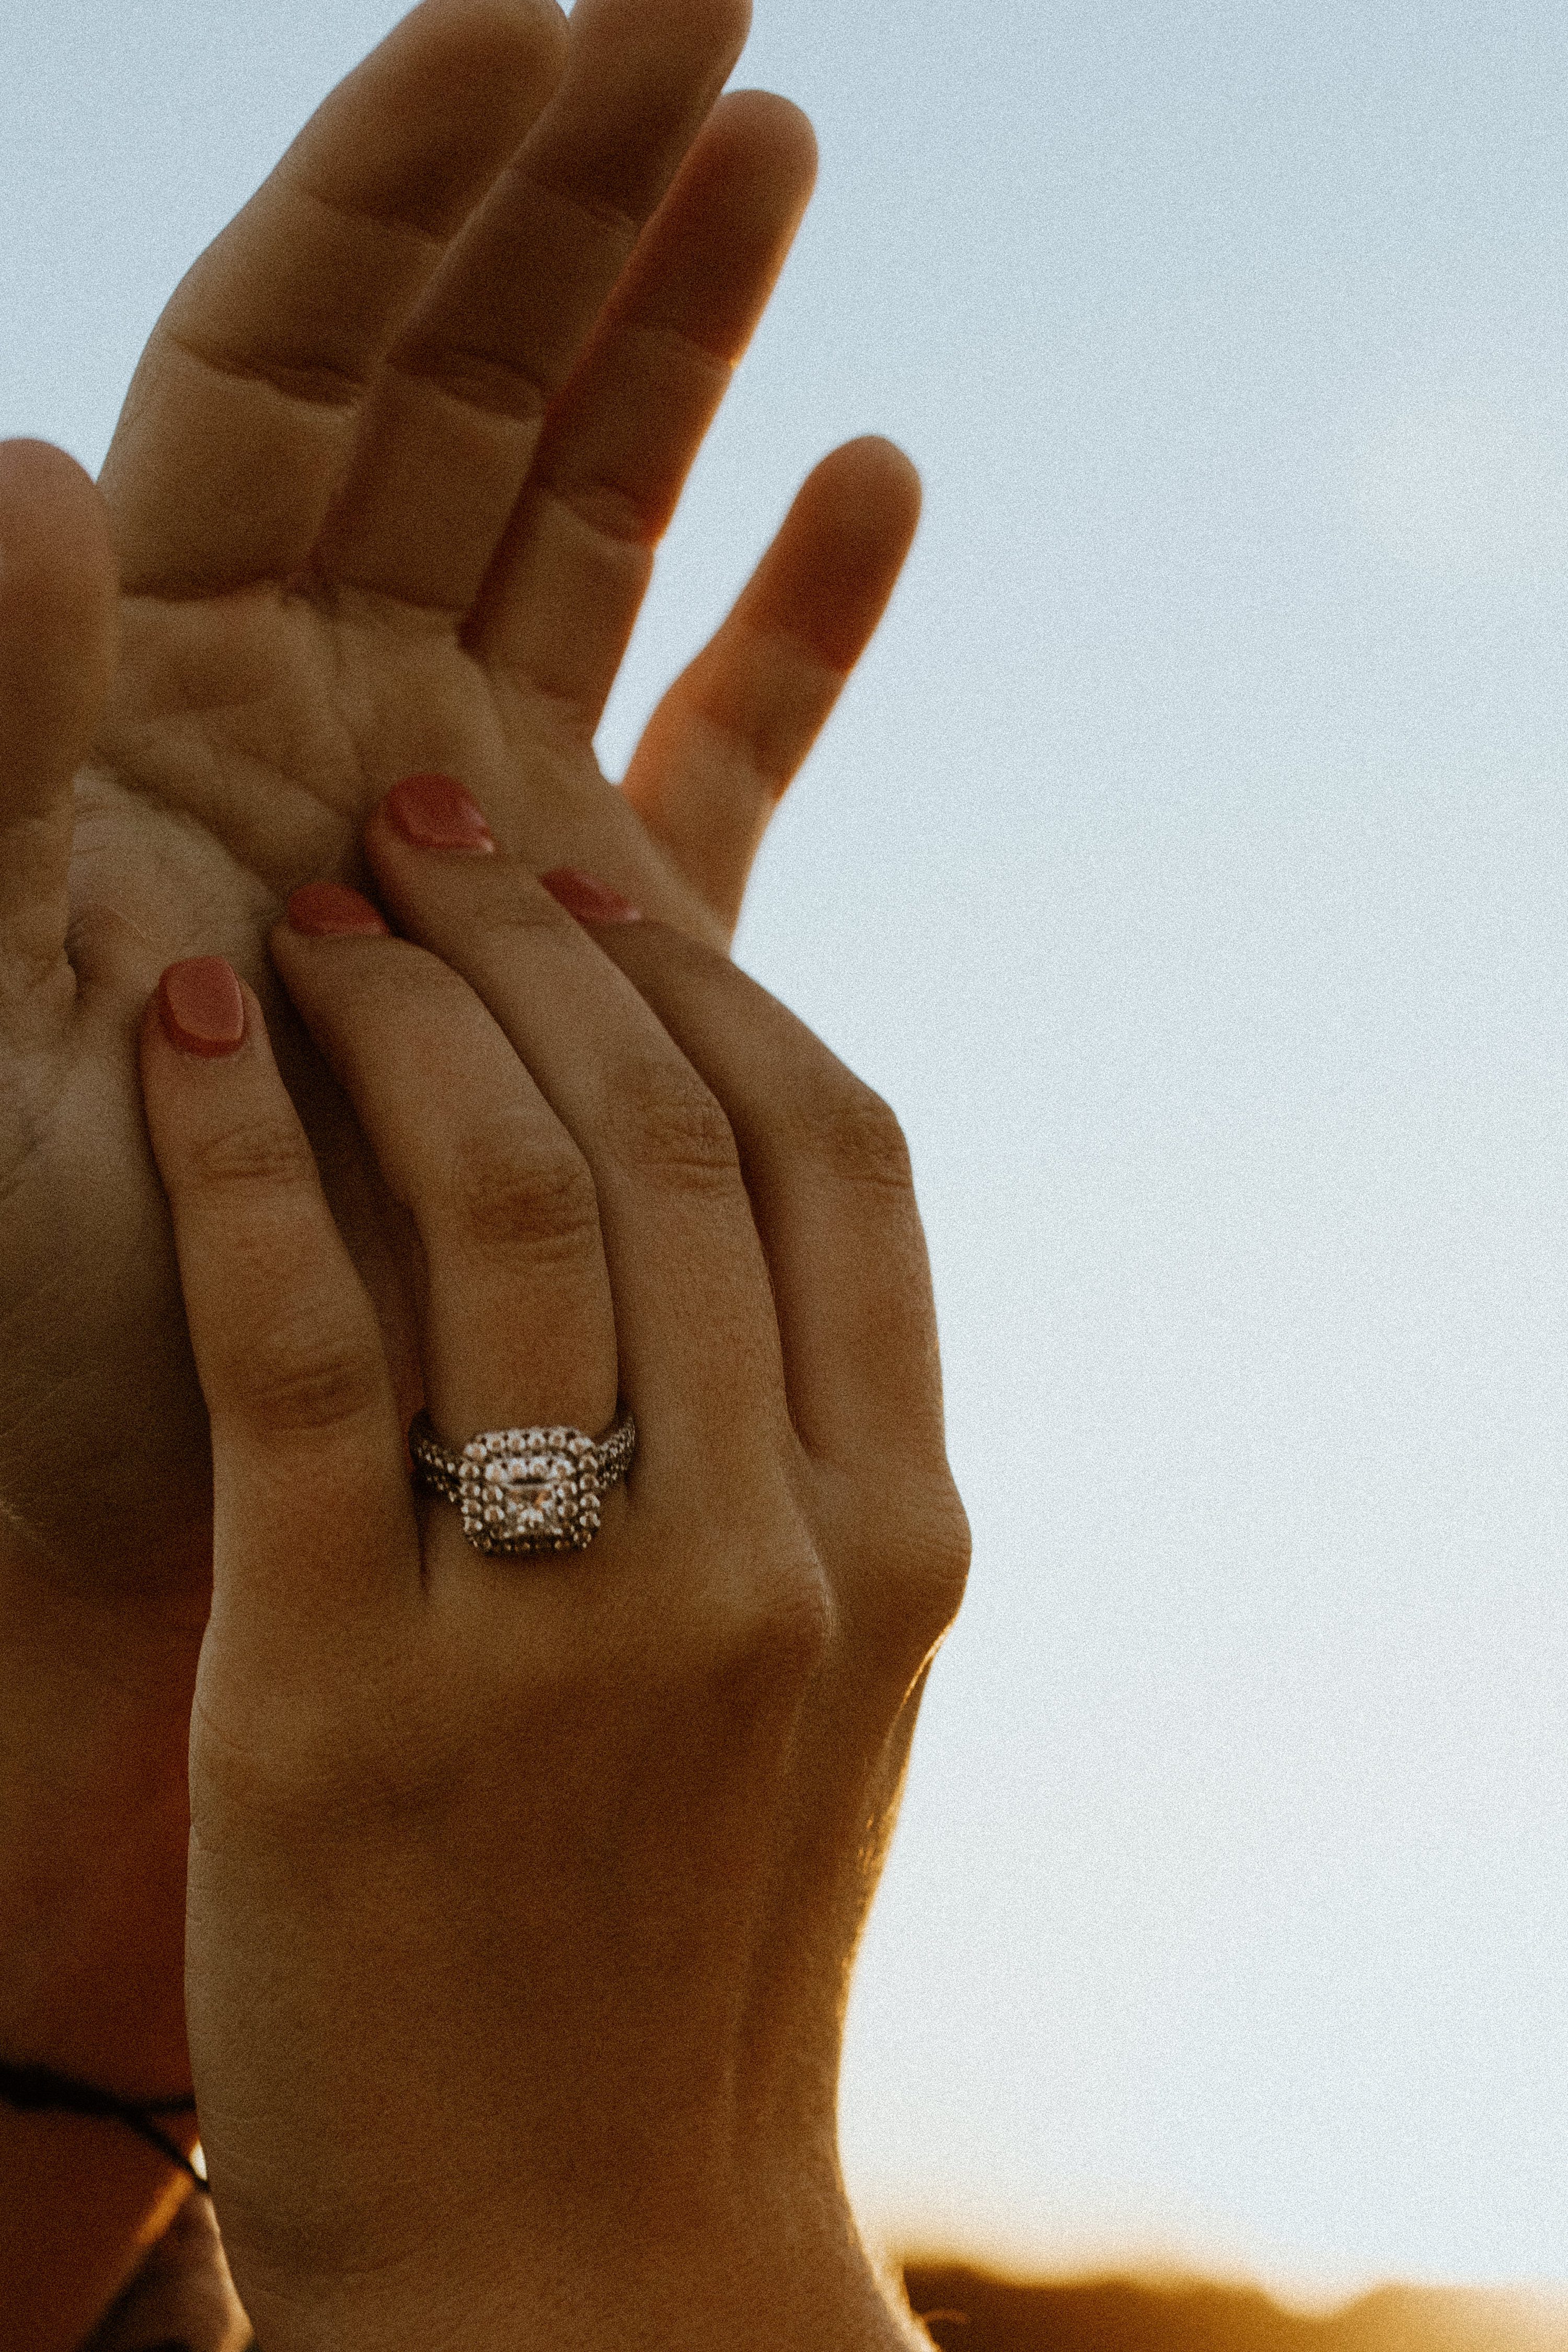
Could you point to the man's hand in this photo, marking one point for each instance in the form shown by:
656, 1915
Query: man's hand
384, 497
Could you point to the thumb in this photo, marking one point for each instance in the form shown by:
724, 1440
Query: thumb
59, 602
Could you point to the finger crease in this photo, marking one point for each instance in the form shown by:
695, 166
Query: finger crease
625, 227
609, 512
776, 638
475, 381
717, 359
392, 222
315, 387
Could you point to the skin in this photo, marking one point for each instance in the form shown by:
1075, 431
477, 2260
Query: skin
524, 1893
385, 496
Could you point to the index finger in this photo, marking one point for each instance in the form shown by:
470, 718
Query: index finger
240, 420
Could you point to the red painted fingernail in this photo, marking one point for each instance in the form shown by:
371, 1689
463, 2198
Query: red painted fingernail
202, 1007
330, 910
439, 813
591, 900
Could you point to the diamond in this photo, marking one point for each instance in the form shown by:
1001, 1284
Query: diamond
525, 1490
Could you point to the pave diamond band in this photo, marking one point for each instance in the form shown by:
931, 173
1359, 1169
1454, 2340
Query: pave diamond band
525, 1490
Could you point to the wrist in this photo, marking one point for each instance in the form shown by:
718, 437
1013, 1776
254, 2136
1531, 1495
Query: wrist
504, 2288
94, 1727
94, 1731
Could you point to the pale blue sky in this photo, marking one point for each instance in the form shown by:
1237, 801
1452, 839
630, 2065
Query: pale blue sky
1189, 866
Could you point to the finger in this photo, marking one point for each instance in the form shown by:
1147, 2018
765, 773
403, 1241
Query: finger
56, 648
311, 1506
517, 1326
699, 1349
244, 411
559, 605
828, 1173
454, 419
728, 738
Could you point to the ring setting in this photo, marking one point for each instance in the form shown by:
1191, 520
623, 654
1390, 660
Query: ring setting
523, 1491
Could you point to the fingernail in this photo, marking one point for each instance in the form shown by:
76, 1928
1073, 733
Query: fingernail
439, 813
202, 1007
591, 900
330, 910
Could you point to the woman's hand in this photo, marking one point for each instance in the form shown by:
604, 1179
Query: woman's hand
524, 1892
388, 482
390, 476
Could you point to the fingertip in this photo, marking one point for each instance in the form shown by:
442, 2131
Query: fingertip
26, 459
202, 1010
724, 26
503, 37
886, 477
766, 126
684, 34
420, 127
202, 1007
59, 602
837, 562
484, 37
56, 561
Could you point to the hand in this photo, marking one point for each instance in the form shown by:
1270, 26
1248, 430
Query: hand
386, 486
524, 1892
390, 476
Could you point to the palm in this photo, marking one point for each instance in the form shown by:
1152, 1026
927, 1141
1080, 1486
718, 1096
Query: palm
309, 612
277, 720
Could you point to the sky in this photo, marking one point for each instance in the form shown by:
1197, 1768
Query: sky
1188, 866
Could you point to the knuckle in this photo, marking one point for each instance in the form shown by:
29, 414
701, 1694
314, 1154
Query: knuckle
660, 1121
761, 1646
520, 1193
848, 1130
787, 1629
944, 1557
921, 1572
301, 1378
259, 1156
935, 1556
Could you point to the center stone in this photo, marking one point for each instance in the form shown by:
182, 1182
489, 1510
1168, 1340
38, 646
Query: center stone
525, 1477
522, 1496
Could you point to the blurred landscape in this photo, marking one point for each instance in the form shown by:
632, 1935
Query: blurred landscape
967, 2310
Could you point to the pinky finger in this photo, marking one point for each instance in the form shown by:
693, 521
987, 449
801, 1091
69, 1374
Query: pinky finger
731, 734
310, 1506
